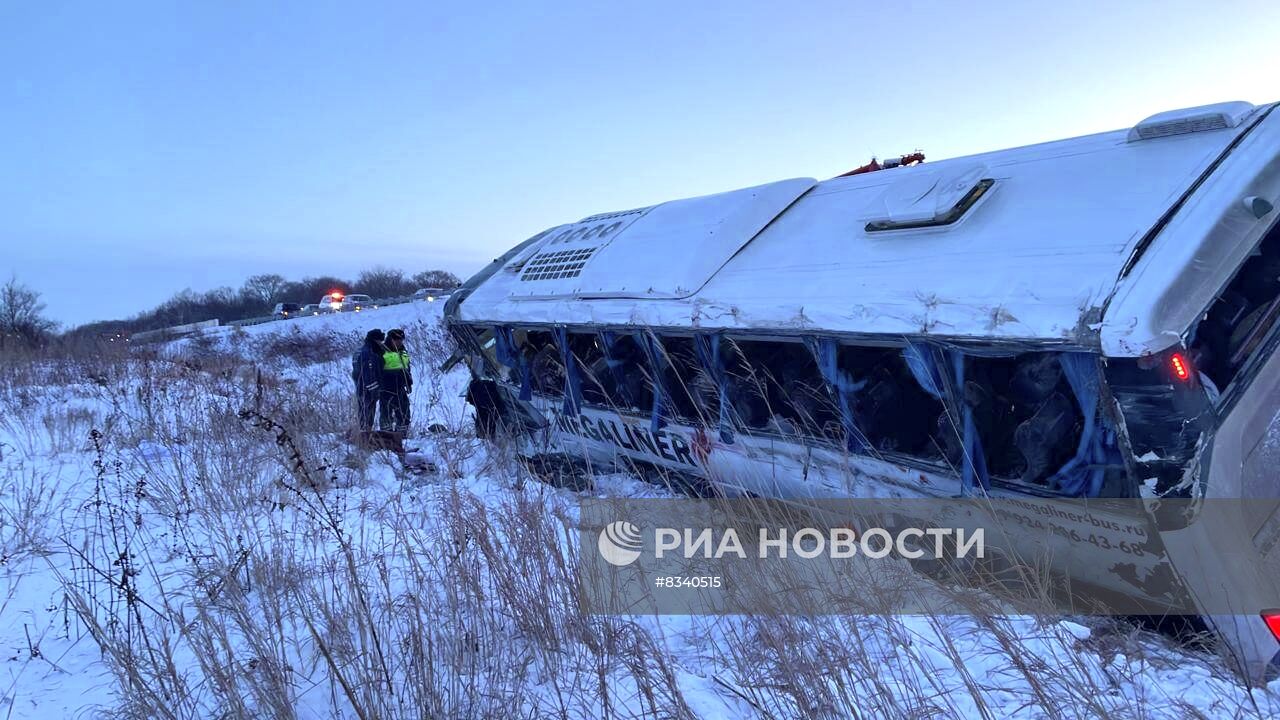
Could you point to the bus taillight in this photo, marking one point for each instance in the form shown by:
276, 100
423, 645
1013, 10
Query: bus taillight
1180, 367
1272, 619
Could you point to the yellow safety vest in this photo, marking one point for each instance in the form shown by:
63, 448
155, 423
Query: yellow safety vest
392, 360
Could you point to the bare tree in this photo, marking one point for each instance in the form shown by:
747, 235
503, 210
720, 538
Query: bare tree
266, 289
309, 289
382, 282
21, 314
436, 279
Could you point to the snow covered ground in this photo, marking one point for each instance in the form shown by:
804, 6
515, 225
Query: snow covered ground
188, 535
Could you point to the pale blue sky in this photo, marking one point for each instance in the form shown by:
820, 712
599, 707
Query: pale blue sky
149, 147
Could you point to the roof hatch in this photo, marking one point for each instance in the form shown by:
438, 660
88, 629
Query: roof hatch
923, 197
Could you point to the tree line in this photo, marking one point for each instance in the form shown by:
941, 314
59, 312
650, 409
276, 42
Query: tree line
22, 320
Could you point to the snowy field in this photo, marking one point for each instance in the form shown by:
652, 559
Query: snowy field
185, 533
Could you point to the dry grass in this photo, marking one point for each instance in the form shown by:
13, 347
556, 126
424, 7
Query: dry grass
231, 558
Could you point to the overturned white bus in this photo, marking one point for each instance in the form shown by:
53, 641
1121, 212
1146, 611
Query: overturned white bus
1094, 317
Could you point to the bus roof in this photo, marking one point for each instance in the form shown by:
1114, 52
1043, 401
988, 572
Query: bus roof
1029, 243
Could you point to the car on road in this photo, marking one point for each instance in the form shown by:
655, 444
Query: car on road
286, 309
356, 303
311, 309
330, 302
431, 294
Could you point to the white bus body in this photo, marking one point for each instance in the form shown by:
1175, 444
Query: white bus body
1093, 317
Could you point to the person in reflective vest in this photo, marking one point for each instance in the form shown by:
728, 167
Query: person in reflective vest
397, 383
366, 372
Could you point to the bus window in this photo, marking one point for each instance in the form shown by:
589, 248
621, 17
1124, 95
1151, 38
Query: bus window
539, 348
1241, 316
628, 381
1026, 413
484, 340
776, 387
585, 347
748, 386
894, 414
694, 396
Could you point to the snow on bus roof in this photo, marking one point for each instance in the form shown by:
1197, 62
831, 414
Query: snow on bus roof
1026, 243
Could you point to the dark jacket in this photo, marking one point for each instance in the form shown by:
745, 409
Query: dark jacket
366, 367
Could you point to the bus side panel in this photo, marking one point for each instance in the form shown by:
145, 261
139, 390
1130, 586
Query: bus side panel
1111, 556
1233, 561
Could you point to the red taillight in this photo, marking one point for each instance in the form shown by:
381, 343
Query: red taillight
1180, 367
1272, 619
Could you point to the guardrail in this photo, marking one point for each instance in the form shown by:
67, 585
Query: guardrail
173, 332
384, 302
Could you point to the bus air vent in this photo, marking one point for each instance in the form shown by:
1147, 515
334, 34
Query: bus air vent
557, 264
615, 215
1220, 116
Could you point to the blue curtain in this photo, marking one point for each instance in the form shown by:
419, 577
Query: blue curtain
572, 376
609, 339
924, 368
826, 353
657, 358
1084, 473
707, 347
927, 364
504, 344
